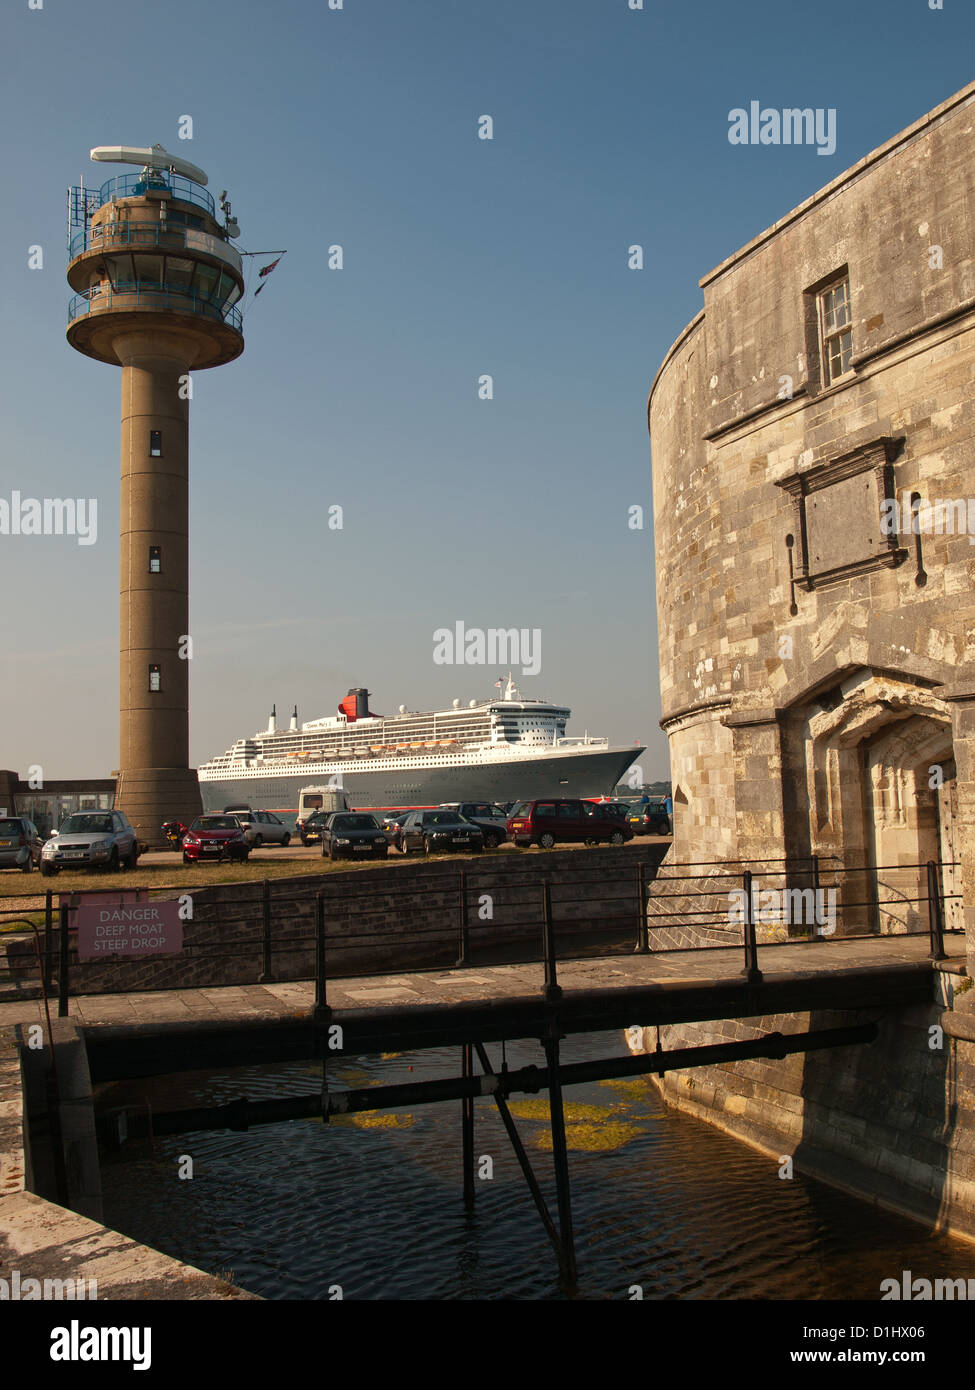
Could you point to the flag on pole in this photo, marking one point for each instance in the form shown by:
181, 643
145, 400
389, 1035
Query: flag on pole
268, 268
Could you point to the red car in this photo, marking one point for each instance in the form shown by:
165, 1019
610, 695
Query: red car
215, 837
549, 822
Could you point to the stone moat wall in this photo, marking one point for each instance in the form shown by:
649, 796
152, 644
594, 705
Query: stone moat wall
892, 1122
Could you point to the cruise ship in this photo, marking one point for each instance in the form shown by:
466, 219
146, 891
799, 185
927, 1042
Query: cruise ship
492, 750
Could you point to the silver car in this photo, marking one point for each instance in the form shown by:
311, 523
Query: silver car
262, 828
20, 844
91, 839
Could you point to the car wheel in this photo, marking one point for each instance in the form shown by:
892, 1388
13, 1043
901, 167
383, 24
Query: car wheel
186, 857
286, 840
305, 840
492, 841
332, 852
402, 847
48, 870
258, 841
617, 837
28, 865
546, 841
427, 846
113, 865
132, 858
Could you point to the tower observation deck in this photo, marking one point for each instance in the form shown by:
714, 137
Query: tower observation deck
156, 280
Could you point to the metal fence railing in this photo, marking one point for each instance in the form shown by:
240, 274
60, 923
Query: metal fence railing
276, 930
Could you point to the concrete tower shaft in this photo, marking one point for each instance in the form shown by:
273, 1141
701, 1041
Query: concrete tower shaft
157, 281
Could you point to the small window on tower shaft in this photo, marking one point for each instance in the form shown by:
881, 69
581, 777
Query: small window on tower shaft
155, 678
155, 444
155, 559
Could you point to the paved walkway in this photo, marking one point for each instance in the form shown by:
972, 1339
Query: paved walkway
479, 984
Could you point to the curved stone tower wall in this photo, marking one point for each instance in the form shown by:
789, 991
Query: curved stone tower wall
818, 673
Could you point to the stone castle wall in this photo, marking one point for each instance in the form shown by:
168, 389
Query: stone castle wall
802, 650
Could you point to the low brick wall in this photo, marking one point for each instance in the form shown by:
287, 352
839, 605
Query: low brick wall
403, 914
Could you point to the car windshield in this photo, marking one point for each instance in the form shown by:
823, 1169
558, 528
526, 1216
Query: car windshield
215, 823
10, 827
443, 818
354, 823
87, 825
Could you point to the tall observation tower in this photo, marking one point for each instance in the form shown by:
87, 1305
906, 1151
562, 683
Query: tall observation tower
156, 279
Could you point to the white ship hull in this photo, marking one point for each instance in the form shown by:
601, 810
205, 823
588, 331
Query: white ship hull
493, 774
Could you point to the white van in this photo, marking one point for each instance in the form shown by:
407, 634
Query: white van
312, 799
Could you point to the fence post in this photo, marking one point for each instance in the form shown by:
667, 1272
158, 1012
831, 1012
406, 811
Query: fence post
265, 976
48, 939
751, 970
817, 923
322, 1012
642, 933
936, 921
63, 962
551, 988
464, 931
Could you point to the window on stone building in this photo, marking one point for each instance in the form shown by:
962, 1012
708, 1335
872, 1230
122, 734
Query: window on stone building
155, 559
835, 330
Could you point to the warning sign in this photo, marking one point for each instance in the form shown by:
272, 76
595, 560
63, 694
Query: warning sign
130, 929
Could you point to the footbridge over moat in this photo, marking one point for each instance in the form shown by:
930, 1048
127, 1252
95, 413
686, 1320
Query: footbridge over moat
592, 968
127, 1036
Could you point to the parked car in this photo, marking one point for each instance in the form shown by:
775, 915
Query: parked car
262, 827
558, 821
439, 830
490, 818
20, 844
353, 833
651, 819
91, 839
621, 810
215, 837
310, 829
391, 825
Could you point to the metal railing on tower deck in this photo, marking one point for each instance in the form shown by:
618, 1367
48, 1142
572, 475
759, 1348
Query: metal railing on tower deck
167, 235
130, 296
177, 186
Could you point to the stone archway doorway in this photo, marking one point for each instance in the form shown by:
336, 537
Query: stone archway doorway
908, 778
880, 782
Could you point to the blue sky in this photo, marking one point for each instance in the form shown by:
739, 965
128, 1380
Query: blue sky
358, 387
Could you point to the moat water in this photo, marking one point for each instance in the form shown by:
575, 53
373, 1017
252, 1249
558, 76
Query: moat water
372, 1204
